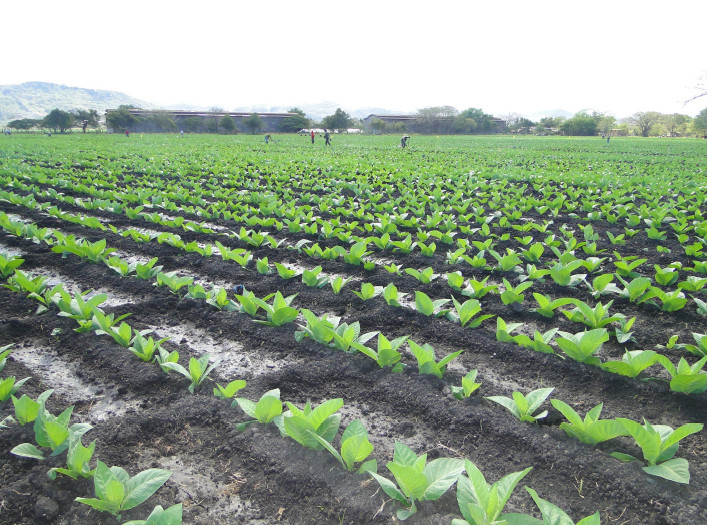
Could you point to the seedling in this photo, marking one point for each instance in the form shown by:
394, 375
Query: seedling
633, 363
338, 283
546, 306
355, 448
160, 516
666, 276
94, 252
145, 348
119, 266
581, 346
552, 514
368, 291
427, 306
514, 295
426, 276
280, 312
26, 409
465, 313
230, 390
262, 266
455, 280
248, 303
469, 386
591, 430
218, 298
387, 354
671, 302
481, 503
77, 460
391, 295
4, 352
635, 290
173, 282
506, 262
478, 289
597, 317
8, 265
9, 386
540, 341
323, 421
522, 407
117, 492
626, 269
148, 271
416, 479
562, 273
264, 411
199, 370
426, 361
659, 443
311, 278
686, 378
503, 330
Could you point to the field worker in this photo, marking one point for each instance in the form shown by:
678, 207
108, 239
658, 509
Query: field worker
127, 133
182, 133
312, 136
327, 138
404, 141
608, 139
267, 138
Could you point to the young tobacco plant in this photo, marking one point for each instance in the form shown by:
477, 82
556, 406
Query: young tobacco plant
427, 306
540, 341
338, 283
417, 480
547, 306
248, 303
632, 363
94, 252
355, 447
582, 345
514, 295
426, 276
9, 386
671, 302
280, 312
311, 278
391, 295
426, 361
602, 285
173, 282
522, 407
144, 348
116, 491
659, 443
265, 410
685, 377
666, 276
8, 265
387, 354
199, 370
503, 330
636, 290
481, 503
148, 271
562, 273
465, 313
368, 291
478, 289
230, 390
469, 386
119, 266
302, 425
552, 514
591, 430
26, 409
160, 516
284, 272
77, 460
597, 317
4, 352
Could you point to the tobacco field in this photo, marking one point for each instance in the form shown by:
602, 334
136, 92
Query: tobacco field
471, 330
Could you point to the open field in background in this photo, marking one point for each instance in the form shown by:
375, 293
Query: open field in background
551, 218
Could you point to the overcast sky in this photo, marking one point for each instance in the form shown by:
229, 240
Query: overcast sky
618, 56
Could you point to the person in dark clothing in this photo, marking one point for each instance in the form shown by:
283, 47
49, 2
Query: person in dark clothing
327, 139
404, 141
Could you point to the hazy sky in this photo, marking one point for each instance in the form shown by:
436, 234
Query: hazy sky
618, 56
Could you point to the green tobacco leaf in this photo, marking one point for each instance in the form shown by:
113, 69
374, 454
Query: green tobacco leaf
675, 469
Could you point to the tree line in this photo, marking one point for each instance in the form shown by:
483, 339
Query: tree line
59, 121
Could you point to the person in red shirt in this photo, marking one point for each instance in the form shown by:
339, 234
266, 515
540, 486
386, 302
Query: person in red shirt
127, 133
312, 136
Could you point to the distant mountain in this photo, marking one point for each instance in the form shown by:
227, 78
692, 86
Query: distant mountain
36, 99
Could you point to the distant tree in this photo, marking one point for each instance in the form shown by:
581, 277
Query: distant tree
216, 113
121, 118
644, 121
676, 123
481, 121
582, 124
24, 123
228, 123
429, 119
606, 124
294, 123
339, 120
510, 119
86, 118
58, 120
400, 127
253, 123
192, 124
163, 121
701, 88
378, 125
700, 122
